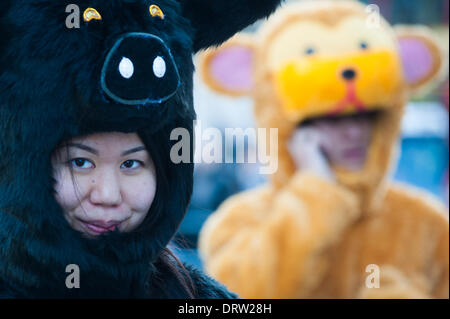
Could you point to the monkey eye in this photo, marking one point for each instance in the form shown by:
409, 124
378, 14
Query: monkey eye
156, 11
363, 45
310, 51
91, 14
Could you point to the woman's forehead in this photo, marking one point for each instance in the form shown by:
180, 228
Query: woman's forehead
109, 143
112, 138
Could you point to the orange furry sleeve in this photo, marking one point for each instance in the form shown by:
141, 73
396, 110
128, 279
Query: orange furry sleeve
263, 244
420, 247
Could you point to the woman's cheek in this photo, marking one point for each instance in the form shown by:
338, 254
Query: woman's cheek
64, 190
70, 191
140, 192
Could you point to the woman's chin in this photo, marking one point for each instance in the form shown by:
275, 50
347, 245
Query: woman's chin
353, 165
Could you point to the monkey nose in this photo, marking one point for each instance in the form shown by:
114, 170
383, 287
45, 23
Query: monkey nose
349, 74
139, 69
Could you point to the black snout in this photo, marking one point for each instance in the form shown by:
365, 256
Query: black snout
139, 69
349, 74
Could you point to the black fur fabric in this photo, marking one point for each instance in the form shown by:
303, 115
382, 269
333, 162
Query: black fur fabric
51, 90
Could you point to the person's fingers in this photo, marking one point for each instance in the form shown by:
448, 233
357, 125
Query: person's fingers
306, 137
305, 147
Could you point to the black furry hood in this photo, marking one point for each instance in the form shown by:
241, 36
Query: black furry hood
129, 72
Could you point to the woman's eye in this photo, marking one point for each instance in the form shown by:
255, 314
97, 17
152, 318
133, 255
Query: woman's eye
131, 164
81, 163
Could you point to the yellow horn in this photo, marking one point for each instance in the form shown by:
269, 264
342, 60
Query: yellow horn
156, 11
91, 14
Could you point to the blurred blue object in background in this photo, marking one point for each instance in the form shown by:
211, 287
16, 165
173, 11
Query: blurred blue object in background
424, 148
423, 163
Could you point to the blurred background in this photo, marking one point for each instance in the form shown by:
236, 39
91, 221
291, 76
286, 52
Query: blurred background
424, 158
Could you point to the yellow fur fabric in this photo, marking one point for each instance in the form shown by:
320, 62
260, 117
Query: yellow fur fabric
305, 237
307, 241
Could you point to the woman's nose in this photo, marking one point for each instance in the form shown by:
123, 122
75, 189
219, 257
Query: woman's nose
106, 190
353, 133
352, 129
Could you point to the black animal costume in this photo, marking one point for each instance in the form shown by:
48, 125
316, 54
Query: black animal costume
127, 68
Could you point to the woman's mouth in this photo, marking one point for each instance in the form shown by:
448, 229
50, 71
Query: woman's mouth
355, 156
100, 227
355, 153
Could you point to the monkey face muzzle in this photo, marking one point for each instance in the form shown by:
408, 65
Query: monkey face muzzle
324, 85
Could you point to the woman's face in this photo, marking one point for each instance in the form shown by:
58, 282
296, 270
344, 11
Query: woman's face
346, 140
113, 183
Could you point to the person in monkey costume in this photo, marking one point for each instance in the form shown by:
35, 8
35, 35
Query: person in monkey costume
334, 81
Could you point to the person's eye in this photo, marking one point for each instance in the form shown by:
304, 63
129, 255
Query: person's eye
81, 163
132, 164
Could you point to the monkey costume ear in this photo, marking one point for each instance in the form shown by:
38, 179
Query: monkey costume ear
215, 21
422, 57
229, 68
